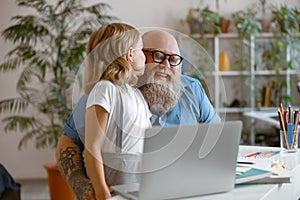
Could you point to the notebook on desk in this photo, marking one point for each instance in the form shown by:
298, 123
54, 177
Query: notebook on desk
250, 174
183, 161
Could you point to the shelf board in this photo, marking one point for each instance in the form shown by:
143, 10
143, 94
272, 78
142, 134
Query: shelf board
233, 110
245, 109
256, 73
234, 73
274, 72
228, 73
212, 36
267, 109
236, 35
272, 35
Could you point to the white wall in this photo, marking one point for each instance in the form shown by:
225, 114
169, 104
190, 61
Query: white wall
28, 163
167, 13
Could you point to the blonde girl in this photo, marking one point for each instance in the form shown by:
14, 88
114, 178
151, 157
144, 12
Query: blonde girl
116, 112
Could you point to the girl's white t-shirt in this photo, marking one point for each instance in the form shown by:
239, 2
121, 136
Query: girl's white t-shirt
126, 108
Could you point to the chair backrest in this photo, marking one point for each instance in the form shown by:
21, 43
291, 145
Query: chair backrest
9, 189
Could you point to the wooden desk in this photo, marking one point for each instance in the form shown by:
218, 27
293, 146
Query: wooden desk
261, 191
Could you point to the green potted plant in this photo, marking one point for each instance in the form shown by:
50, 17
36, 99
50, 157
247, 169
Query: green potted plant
49, 45
273, 59
247, 22
265, 22
203, 21
224, 22
285, 20
193, 21
285, 23
49, 48
297, 16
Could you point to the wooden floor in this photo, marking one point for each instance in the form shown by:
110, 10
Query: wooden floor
34, 189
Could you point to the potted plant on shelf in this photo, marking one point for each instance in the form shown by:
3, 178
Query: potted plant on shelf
285, 23
285, 20
265, 22
247, 22
203, 21
224, 22
273, 58
49, 48
296, 13
193, 21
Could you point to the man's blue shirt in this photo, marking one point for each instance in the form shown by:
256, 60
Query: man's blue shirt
193, 107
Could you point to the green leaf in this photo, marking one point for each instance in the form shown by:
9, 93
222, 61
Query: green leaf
29, 135
22, 123
9, 65
15, 105
28, 29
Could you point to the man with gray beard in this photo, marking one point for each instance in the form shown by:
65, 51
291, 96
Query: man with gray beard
173, 99
161, 96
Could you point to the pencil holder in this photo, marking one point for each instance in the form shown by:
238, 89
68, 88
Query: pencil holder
289, 141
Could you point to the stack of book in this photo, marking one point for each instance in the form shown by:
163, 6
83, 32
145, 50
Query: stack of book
249, 174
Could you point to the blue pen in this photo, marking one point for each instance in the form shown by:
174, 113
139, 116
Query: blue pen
273, 154
290, 131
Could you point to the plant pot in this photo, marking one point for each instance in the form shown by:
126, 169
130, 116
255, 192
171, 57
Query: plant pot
265, 24
224, 25
58, 187
194, 25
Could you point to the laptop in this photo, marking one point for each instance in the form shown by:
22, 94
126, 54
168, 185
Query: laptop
185, 161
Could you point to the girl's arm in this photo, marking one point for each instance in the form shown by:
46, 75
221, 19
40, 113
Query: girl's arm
96, 121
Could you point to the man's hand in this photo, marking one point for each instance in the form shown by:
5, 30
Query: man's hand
70, 164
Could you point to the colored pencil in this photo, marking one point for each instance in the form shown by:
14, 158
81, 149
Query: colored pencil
273, 154
284, 130
266, 154
296, 119
252, 154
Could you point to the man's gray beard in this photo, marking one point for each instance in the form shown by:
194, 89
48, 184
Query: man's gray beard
161, 96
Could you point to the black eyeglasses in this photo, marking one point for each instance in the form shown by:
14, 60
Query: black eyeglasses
159, 57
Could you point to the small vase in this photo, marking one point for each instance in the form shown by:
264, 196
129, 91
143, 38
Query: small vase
265, 24
224, 63
224, 25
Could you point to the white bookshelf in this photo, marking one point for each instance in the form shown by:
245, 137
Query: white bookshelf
243, 82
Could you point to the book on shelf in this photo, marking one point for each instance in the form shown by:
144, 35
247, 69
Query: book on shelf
272, 94
267, 96
250, 174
